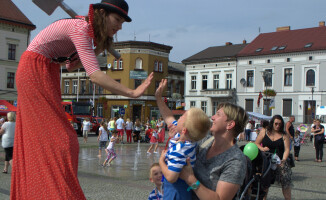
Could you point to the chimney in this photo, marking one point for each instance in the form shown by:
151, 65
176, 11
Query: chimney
283, 28
244, 42
228, 43
321, 23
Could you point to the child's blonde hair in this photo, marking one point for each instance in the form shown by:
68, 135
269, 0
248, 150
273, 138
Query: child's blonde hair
197, 124
150, 169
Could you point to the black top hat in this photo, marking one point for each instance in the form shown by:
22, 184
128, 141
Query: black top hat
118, 6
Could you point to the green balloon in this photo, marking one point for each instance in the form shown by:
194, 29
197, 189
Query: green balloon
251, 150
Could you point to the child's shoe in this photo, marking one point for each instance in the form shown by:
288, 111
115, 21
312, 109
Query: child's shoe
155, 152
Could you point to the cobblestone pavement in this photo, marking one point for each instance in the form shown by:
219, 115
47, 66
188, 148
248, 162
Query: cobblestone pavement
127, 177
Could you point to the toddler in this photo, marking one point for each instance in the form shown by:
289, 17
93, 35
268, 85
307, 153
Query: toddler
155, 176
154, 140
297, 143
110, 149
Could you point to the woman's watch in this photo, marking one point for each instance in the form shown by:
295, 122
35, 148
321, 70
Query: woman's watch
194, 186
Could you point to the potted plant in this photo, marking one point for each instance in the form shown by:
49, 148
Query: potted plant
269, 92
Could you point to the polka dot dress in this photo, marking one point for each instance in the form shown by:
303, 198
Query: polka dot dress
46, 148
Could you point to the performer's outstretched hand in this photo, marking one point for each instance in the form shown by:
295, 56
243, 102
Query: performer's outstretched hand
141, 89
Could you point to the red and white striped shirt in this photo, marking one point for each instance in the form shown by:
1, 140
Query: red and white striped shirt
64, 37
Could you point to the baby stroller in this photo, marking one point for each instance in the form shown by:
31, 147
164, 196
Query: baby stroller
259, 176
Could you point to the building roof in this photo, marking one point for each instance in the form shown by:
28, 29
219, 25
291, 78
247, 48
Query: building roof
10, 14
177, 67
217, 53
287, 41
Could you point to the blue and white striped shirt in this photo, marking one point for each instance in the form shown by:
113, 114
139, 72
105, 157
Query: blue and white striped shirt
176, 156
155, 194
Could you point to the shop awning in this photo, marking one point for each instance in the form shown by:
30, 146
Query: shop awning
258, 116
6, 107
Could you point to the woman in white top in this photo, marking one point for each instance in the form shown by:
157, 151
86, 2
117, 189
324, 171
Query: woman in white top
8, 131
103, 137
86, 128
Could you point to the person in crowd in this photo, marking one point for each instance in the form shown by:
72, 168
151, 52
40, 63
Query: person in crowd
155, 176
153, 122
137, 130
248, 131
120, 124
264, 126
220, 167
112, 125
103, 137
129, 126
161, 130
7, 131
111, 155
191, 127
275, 140
86, 126
318, 131
296, 144
312, 136
153, 141
289, 129
148, 134
70, 42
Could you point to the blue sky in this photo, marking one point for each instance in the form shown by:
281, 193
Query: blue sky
191, 26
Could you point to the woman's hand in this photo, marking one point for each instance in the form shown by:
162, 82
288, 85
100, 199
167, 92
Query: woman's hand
265, 149
187, 173
141, 89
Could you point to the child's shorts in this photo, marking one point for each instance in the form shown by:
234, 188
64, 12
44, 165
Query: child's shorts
102, 144
153, 140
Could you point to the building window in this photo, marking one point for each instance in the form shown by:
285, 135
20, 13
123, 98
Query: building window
192, 104
99, 109
288, 77
177, 87
216, 81
156, 66
115, 64
204, 82
169, 89
66, 90
214, 107
269, 77
249, 105
160, 67
204, 106
11, 52
310, 78
267, 111
90, 89
157, 83
228, 81
74, 86
120, 64
100, 90
287, 107
82, 86
193, 82
10, 80
138, 83
250, 78
139, 63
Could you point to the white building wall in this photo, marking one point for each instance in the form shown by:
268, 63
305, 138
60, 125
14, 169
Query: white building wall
299, 92
10, 35
208, 69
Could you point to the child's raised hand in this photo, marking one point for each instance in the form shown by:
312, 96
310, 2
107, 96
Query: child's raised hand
160, 89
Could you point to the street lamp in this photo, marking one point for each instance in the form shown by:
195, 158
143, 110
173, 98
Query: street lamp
265, 74
312, 101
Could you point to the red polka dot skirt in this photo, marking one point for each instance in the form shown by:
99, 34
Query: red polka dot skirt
46, 148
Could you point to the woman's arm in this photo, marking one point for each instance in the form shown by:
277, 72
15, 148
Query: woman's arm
259, 140
2, 130
224, 190
286, 147
320, 132
115, 87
